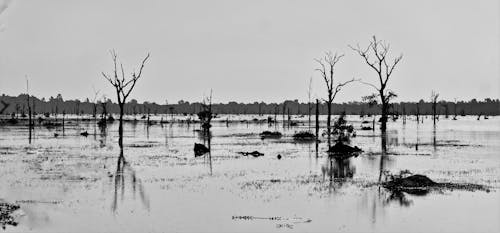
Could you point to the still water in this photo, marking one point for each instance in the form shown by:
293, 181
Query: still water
73, 183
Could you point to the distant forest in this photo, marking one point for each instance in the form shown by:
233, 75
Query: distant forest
57, 105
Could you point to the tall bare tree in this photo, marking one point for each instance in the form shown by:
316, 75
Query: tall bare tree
309, 107
94, 102
327, 70
384, 69
434, 98
123, 87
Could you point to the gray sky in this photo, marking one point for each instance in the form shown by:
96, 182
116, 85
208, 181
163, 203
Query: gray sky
247, 50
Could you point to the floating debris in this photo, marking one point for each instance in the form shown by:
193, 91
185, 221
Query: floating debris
277, 218
253, 153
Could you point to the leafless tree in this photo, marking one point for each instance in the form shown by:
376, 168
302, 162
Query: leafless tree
384, 69
327, 70
94, 102
434, 97
206, 114
309, 107
123, 87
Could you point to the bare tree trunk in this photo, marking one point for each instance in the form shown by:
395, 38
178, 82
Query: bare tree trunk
309, 113
29, 119
120, 126
317, 119
418, 113
328, 120
383, 118
434, 113
64, 115
404, 114
289, 118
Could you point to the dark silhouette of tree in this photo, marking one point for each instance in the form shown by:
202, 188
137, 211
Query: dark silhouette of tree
384, 70
327, 70
434, 97
309, 107
123, 87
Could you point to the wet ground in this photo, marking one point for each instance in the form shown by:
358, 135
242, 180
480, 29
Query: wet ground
73, 183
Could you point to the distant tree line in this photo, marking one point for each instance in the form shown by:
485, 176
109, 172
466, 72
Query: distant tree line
57, 105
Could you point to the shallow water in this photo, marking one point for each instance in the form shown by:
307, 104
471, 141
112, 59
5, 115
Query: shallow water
78, 184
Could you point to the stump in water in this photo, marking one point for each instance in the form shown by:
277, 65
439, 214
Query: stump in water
200, 149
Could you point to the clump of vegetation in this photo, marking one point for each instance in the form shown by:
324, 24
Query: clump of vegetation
365, 125
341, 149
340, 125
411, 183
342, 130
269, 134
206, 114
200, 149
304, 136
6, 211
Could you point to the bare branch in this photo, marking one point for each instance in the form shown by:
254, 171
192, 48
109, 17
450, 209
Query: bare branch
365, 56
123, 86
339, 86
369, 84
381, 66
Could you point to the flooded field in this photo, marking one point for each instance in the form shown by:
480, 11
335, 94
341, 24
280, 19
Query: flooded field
75, 183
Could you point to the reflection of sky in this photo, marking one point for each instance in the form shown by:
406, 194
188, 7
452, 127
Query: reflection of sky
72, 179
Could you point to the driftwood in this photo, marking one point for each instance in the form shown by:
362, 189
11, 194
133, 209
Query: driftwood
253, 153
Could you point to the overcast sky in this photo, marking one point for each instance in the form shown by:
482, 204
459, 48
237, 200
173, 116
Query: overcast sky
247, 50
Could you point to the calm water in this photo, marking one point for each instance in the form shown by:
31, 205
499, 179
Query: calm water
75, 183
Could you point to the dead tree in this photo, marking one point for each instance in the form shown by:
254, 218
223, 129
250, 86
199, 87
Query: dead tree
384, 70
418, 114
29, 109
327, 70
123, 87
309, 107
5, 106
94, 102
206, 114
434, 97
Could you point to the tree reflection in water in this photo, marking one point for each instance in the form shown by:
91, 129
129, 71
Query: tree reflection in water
338, 170
124, 173
205, 135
